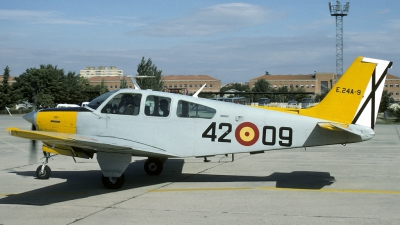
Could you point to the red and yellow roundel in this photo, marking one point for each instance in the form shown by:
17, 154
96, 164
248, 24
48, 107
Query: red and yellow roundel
247, 134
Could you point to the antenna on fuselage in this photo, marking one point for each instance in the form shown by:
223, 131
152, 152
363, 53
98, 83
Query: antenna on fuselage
135, 84
138, 76
198, 92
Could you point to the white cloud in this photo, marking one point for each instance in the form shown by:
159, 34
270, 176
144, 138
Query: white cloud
229, 59
394, 24
211, 20
378, 42
45, 17
23, 15
312, 26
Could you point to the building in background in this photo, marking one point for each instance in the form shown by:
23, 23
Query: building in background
101, 71
392, 85
190, 83
111, 82
110, 75
317, 82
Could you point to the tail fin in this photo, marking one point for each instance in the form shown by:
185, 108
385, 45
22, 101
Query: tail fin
356, 96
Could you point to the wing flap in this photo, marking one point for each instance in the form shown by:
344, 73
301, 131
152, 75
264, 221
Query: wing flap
97, 143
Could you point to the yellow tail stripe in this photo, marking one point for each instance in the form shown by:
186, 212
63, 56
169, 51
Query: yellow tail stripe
341, 103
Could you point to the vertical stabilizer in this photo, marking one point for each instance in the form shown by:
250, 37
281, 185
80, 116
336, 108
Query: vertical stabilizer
356, 96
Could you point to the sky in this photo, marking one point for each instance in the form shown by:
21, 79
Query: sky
230, 41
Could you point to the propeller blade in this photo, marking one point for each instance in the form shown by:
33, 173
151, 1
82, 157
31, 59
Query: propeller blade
33, 152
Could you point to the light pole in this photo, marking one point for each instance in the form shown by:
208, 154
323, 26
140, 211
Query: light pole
339, 11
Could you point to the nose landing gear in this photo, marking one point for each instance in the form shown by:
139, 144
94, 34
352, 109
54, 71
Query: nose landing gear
43, 171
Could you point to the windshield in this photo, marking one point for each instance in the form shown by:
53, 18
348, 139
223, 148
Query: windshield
95, 103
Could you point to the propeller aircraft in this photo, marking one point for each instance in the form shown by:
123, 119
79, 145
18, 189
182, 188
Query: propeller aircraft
158, 125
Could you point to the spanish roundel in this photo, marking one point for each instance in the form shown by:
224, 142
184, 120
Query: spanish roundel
247, 134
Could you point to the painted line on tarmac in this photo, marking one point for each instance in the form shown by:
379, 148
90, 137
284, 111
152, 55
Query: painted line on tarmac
266, 188
331, 190
200, 189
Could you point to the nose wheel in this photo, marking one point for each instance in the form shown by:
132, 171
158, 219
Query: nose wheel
43, 171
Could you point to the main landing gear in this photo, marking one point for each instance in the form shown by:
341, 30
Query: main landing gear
44, 171
154, 166
113, 182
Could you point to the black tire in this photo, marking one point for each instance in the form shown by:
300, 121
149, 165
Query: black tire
46, 172
113, 182
153, 166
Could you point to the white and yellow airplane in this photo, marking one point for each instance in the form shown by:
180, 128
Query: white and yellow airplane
132, 122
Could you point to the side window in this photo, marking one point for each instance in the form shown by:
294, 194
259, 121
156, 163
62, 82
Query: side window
157, 106
192, 110
124, 104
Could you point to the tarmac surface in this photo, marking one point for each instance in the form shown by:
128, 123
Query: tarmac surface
353, 184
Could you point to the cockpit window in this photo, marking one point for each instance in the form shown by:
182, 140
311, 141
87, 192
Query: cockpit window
157, 106
192, 110
95, 103
124, 104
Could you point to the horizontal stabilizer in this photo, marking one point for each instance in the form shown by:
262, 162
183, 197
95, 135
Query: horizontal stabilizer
333, 126
341, 127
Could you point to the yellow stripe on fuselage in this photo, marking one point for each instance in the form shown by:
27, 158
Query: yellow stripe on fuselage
57, 121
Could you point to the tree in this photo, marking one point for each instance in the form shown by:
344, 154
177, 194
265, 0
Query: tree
261, 85
299, 97
103, 87
47, 86
73, 89
320, 97
154, 81
236, 86
5, 90
281, 97
123, 83
90, 92
385, 101
394, 110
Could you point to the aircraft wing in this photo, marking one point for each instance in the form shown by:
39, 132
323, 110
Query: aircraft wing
96, 143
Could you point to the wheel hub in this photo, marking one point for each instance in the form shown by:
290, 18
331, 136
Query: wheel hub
113, 180
152, 167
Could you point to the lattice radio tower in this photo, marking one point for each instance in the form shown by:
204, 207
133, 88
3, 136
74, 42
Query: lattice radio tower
339, 11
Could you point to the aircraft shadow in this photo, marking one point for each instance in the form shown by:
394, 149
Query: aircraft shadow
84, 184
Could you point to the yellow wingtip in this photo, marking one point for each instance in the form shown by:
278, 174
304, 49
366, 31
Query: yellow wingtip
8, 130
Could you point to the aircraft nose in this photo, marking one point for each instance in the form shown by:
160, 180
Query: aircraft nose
30, 117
